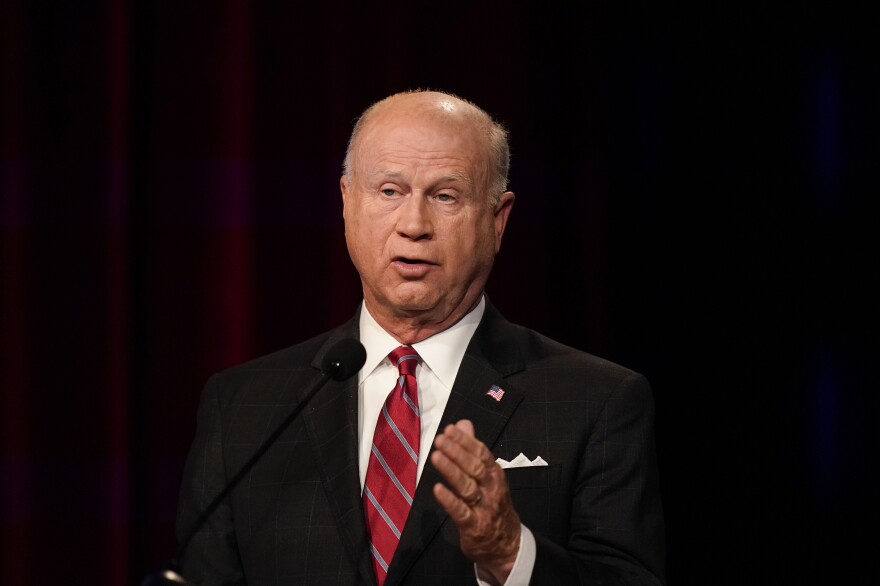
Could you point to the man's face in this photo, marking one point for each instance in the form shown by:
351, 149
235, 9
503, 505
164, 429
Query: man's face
419, 226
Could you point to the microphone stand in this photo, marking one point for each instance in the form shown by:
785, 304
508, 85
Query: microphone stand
333, 369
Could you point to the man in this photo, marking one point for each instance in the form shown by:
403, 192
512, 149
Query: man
407, 487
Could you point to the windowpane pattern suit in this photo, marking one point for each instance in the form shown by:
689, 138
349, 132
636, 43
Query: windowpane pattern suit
298, 518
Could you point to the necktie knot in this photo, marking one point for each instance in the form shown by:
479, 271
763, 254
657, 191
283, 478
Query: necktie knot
405, 358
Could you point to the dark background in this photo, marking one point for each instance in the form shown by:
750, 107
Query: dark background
694, 186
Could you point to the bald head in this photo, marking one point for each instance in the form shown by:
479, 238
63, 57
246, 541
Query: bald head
451, 110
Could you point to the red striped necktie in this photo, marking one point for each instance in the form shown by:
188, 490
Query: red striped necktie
394, 457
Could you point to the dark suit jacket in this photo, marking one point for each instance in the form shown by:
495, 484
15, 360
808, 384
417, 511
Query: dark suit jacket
297, 518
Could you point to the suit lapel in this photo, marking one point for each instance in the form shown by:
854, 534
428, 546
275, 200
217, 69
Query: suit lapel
332, 421
491, 356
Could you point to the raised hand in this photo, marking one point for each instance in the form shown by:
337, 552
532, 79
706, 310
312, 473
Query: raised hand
477, 499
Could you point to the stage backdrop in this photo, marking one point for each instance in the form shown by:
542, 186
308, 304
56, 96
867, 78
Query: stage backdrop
693, 192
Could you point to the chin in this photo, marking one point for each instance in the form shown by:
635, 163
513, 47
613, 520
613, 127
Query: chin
415, 300
414, 305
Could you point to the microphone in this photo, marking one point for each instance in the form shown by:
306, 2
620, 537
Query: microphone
342, 361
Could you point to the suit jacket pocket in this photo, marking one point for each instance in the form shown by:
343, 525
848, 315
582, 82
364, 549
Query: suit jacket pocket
531, 491
529, 477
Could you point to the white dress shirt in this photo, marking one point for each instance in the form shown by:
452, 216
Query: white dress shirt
441, 357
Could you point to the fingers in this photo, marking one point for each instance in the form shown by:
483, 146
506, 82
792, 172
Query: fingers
458, 444
466, 426
460, 513
467, 466
462, 483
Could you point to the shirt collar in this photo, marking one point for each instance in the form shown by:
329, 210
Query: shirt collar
442, 352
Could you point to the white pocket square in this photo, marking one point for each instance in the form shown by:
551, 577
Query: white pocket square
521, 462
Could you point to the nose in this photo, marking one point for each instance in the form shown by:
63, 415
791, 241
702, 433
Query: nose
414, 219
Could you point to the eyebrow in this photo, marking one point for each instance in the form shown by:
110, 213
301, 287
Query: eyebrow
456, 176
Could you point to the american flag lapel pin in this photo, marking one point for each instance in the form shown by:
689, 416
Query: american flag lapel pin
495, 392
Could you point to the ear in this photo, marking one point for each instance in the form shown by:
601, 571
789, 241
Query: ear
502, 213
343, 188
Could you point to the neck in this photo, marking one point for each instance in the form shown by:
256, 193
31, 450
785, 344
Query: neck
413, 327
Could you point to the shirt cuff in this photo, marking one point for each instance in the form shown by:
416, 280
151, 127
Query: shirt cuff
521, 573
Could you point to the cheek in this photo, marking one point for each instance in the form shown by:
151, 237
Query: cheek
481, 236
471, 245
365, 238
355, 237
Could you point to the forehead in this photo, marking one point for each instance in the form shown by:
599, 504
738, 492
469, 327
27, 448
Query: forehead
427, 137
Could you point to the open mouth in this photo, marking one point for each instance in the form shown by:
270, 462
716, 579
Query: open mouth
412, 261
412, 268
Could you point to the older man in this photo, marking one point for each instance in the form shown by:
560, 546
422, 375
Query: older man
415, 485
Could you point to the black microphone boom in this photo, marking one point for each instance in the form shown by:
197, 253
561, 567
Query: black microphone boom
343, 360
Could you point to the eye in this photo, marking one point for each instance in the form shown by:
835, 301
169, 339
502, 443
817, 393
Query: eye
445, 197
388, 192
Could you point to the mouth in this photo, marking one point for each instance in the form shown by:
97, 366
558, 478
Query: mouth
411, 268
411, 261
